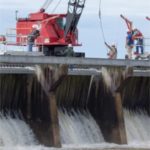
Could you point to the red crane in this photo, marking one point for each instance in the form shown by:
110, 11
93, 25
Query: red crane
57, 31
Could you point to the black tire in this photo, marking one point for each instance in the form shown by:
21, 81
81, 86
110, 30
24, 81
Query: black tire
48, 51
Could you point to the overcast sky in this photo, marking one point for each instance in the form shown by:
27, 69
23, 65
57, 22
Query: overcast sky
89, 27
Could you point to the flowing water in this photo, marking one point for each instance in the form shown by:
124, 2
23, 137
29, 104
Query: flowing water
77, 128
14, 131
137, 127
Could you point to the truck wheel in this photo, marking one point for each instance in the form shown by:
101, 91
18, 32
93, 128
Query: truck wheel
48, 51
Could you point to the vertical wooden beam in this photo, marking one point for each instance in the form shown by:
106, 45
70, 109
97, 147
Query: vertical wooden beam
106, 107
55, 134
50, 78
58, 76
120, 119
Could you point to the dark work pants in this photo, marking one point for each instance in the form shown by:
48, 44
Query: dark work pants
139, 45
30, 45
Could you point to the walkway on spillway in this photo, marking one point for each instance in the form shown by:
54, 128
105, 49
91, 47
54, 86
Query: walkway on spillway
32, 58
24, 62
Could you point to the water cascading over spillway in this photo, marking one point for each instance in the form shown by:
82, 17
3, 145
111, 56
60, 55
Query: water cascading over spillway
137, 127
75, 128
78, 127
85, 108
15, 132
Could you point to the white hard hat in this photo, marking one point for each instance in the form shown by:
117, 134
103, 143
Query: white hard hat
69, 45
35, 26
113, 44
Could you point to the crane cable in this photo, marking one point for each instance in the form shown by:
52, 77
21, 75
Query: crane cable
101, 24
46, 4
56, 6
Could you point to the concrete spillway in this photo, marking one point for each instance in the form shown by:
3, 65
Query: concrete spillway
54, 100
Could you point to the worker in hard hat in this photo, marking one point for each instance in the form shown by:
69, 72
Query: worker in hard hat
112, 54
32, 36
69, 51
129, 44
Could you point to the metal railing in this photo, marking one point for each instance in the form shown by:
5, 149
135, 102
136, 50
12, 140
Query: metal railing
145, 45
18, 42
21, 44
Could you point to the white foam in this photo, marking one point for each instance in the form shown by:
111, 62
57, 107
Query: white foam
15, 132
79, 128
137, 127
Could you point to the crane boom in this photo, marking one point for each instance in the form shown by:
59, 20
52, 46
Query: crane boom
75, 9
